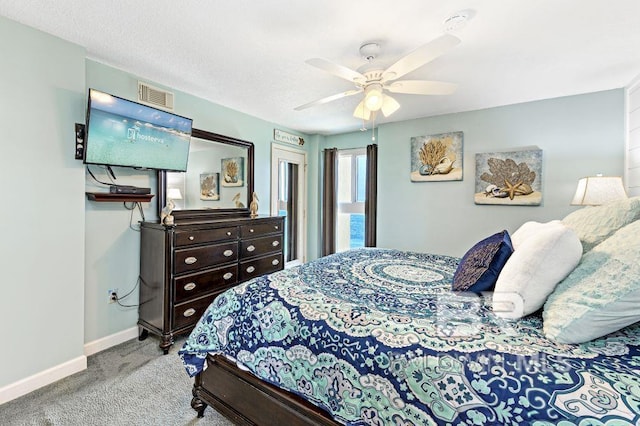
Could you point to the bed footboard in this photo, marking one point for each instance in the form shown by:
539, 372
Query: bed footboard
246, 400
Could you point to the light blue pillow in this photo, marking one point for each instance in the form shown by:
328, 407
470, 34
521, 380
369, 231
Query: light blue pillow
594, 224
601, 295
480, 266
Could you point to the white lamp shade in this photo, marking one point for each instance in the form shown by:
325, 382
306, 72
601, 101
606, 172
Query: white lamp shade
597, 190
362, 112
373, 97
174, 194
389, 105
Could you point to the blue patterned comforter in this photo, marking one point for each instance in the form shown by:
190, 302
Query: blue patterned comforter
375, 336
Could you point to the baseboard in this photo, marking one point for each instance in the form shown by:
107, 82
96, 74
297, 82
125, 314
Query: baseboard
110, 341
53, 374
43, 378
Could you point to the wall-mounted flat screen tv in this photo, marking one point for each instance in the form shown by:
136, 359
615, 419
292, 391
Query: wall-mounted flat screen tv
124, 133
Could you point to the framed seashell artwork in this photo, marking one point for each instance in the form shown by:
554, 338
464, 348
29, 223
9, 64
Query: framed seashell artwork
436, 157
509, 178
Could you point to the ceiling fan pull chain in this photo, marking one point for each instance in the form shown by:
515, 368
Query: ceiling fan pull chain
373, 127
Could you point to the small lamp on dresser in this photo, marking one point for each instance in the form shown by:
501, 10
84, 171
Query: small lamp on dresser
174, 194
165, 216
597, 190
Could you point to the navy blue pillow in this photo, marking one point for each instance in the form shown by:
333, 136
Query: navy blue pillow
480, 266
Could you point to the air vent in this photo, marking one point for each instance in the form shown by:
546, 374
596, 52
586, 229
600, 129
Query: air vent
155, 97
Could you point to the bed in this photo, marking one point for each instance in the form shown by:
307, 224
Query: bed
377, 336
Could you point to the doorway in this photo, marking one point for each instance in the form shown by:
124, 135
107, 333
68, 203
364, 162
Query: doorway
289, 199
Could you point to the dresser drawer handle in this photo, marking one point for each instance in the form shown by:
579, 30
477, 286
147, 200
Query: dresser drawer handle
251, 248
189, 286
277, 227
228, 233
274, 262
228, 253
251, 230
250, 269
227, 276
189, 312
276, 243
191, 260
191, 238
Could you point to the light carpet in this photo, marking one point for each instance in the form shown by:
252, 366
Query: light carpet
129, 384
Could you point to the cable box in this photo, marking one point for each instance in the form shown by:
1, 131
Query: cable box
124, 189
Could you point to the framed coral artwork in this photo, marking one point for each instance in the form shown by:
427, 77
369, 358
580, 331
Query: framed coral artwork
210, 186
233, 171
436, 157
509, 178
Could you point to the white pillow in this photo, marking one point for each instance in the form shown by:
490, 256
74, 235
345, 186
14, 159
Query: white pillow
601, 295
527, 230
540, 261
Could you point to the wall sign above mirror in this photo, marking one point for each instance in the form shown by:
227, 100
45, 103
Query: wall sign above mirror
218, 180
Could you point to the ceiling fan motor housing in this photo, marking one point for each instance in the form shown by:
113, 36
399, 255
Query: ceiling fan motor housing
373, 76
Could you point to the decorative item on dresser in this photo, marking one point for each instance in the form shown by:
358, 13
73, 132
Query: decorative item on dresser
253, 206
185, 266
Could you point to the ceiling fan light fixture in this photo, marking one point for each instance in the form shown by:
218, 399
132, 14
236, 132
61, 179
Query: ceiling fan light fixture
362, 112
373, 98
389, 106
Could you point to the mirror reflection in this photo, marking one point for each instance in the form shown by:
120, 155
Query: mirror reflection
216, 178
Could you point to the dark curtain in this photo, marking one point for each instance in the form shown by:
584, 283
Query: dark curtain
292, 211
371, 196
329, 201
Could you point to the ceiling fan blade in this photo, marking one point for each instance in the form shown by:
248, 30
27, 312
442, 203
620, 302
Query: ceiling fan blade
329, 99
421, 87
389, 106
362, 111
422, 55
337, 70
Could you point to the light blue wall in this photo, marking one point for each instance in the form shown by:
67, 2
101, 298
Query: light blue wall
112, 248
579, 136
42, 251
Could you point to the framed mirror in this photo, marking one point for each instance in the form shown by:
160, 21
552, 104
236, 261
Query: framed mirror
218, 181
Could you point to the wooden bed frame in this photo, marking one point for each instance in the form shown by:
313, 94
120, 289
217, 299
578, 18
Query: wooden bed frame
246, 400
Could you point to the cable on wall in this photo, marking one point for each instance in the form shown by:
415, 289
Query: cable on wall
119, 298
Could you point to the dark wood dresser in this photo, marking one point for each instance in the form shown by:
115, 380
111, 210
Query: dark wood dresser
183, 267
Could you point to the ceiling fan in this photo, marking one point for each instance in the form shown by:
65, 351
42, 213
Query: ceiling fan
375, 82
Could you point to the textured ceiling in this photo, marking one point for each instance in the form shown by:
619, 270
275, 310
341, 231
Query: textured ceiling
250, 55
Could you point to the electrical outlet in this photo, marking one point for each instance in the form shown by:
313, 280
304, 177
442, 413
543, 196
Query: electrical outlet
113, 295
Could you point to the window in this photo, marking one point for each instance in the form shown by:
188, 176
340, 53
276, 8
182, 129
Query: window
352, 174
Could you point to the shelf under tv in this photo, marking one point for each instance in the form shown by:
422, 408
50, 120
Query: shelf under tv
108, 196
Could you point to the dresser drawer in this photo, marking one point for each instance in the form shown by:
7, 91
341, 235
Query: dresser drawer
187, 314
260, 246
192, 259
258, 229
265, 265
194, 285
202, 236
